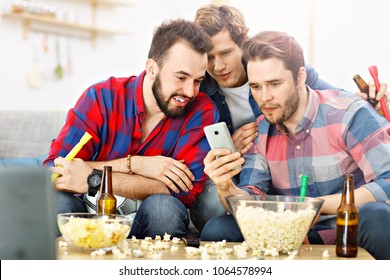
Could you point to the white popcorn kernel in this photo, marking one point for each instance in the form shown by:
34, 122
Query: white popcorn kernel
167, 237
325, 254
62, 243
175, 240
99, 252
138, 253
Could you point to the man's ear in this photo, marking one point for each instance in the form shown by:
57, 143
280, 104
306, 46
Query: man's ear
302, 76
152, 69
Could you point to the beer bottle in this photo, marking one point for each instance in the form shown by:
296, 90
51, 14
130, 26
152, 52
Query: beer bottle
106, 202
347, 221
363, 87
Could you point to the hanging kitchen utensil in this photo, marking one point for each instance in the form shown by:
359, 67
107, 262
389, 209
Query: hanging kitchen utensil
59, 71
34, 73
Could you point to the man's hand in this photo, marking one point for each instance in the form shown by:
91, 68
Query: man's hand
173, 173
73, 175
244, 136
222, 169
382, 93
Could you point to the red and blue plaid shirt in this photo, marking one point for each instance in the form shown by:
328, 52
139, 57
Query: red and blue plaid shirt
112, 111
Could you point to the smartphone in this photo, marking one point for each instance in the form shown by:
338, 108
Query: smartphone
218, 136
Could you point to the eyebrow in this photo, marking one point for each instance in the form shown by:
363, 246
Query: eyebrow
267, 82
182, 72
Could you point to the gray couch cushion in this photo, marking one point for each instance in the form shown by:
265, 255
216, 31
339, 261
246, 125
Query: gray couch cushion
28, 133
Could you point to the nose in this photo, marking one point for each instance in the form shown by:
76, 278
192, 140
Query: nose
218, 64
190, 90
265, 96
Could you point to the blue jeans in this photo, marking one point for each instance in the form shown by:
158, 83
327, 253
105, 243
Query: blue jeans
70, 203
207, 206
374, 229
160, 214
157, 215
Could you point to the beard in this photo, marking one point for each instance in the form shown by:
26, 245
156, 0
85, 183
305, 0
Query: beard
174, 112
288, 108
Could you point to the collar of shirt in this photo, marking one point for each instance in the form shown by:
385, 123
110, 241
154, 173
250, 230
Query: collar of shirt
139, 99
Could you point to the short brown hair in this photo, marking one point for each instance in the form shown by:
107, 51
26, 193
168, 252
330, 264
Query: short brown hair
275, 44
214, 18
172, 31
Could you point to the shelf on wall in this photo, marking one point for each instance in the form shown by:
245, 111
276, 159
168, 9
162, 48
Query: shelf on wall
28, 18
64, 27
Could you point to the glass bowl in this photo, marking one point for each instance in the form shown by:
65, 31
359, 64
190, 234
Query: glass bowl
90, 231
273, 224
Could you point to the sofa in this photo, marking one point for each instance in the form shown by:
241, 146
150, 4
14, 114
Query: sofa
25, 136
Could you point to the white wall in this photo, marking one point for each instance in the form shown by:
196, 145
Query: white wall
112, 56
340, 39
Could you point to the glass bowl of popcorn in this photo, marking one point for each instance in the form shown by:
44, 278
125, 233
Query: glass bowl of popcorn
91, 231
274, 224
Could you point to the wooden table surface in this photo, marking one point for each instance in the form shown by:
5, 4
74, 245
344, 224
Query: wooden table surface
178, 252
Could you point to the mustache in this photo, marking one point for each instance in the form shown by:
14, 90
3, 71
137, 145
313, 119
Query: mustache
269, 105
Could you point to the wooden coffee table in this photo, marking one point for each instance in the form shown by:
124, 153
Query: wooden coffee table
307, 252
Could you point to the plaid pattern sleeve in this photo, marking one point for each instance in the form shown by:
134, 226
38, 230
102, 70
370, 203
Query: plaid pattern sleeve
340, 133
112, 112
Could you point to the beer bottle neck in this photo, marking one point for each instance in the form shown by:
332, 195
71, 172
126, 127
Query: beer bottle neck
106, 186
348, 190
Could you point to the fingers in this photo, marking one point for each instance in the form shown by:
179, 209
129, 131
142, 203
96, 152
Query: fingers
382, 91
362, 95
214, 153
221, 165
177, 176
244, 136
246, 148
372, 91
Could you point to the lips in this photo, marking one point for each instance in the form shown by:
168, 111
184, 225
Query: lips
180, 100
223, 76
268, 109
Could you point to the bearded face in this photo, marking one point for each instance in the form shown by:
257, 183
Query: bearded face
170, 105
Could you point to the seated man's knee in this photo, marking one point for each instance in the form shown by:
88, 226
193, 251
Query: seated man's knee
160, 214
222, 228
69, 203
207, 206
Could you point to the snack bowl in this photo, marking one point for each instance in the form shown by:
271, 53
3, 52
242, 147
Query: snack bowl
90, 231
273, 224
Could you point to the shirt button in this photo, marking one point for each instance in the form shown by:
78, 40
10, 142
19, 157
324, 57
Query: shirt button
298, 147
307, 131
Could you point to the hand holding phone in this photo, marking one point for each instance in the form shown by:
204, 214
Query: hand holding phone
218, 136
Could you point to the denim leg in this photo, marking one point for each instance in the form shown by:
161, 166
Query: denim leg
207, 206
160, 214
222, 228
69, 203
374, 229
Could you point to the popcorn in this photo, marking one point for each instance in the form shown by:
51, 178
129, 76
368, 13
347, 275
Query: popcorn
62, 243
270, 232
93, 233
325, 254
99, 252
167, 237
138, 253
175, 240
